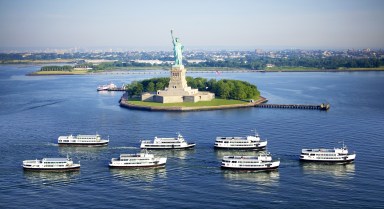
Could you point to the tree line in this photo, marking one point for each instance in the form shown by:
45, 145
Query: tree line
224, 88
57, 68
260, 63
249, 62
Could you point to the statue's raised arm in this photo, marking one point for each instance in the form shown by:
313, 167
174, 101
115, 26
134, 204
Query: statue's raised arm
177, 50
173, 39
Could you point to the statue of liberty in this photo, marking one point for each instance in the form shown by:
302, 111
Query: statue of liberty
177, 50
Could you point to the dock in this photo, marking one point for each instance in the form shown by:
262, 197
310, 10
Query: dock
113, 89
322, 106
117, 89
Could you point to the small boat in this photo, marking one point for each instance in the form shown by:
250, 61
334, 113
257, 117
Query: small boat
248, 142
51, 164
143, 159
167, 143
107, 87
335, 155
263, 161
82, 140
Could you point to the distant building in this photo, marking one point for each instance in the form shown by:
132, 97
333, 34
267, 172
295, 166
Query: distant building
152, 62
327, 53
259, 51
196, 61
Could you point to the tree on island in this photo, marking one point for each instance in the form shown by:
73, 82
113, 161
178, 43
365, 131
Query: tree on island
224, 88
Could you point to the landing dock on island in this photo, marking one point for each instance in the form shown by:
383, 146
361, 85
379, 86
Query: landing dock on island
323, 106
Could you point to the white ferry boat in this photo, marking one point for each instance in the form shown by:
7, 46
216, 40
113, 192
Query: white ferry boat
262, 161
335, 155
248, 142
82, 140
107, 87
51, 164
167, 143
143, 159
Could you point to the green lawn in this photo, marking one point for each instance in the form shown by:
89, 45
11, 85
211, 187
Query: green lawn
214, 102
376, 68
75, 72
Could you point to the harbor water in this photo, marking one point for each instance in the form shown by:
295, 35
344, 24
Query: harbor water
36, 110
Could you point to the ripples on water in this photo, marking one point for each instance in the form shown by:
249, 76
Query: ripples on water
34, 111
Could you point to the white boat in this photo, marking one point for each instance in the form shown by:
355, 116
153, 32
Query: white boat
167, 143
82, 140
51, 164
248, 142
143, 159
107, 87
335, 155
263, 161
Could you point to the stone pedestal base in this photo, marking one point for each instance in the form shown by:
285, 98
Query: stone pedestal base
178, 90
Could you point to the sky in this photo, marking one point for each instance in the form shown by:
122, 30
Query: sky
200, 24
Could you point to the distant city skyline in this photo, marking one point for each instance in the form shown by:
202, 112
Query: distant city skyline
204, 25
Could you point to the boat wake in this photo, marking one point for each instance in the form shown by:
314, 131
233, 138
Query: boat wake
31, 106
51, 144
123, 147
43, 104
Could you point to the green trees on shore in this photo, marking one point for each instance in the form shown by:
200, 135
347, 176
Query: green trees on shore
224, 88
260, 63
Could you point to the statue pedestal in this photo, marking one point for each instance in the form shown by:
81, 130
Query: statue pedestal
177, 79
177, 87
178, 90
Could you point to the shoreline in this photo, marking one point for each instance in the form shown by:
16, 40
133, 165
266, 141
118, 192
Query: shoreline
124, 102
217, 71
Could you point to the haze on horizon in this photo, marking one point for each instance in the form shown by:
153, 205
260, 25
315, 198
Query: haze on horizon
213, 24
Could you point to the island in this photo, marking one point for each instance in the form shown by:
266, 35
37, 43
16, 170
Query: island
228, 94
179, 93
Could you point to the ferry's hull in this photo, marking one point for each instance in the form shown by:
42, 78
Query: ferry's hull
327, 161
250, 168
137, 166
261, 166
189, 146
242, 148
74, 168
83, 144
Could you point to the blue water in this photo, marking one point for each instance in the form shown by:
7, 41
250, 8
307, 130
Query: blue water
34, 111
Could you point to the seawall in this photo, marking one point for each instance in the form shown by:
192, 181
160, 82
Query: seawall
125, 103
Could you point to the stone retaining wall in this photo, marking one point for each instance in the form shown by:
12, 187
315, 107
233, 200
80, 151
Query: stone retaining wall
125, 103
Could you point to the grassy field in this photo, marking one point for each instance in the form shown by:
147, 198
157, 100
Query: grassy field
76, 72
214, 102
362, 69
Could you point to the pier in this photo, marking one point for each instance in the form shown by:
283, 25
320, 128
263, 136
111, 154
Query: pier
113, 89
117, 89
322, 106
